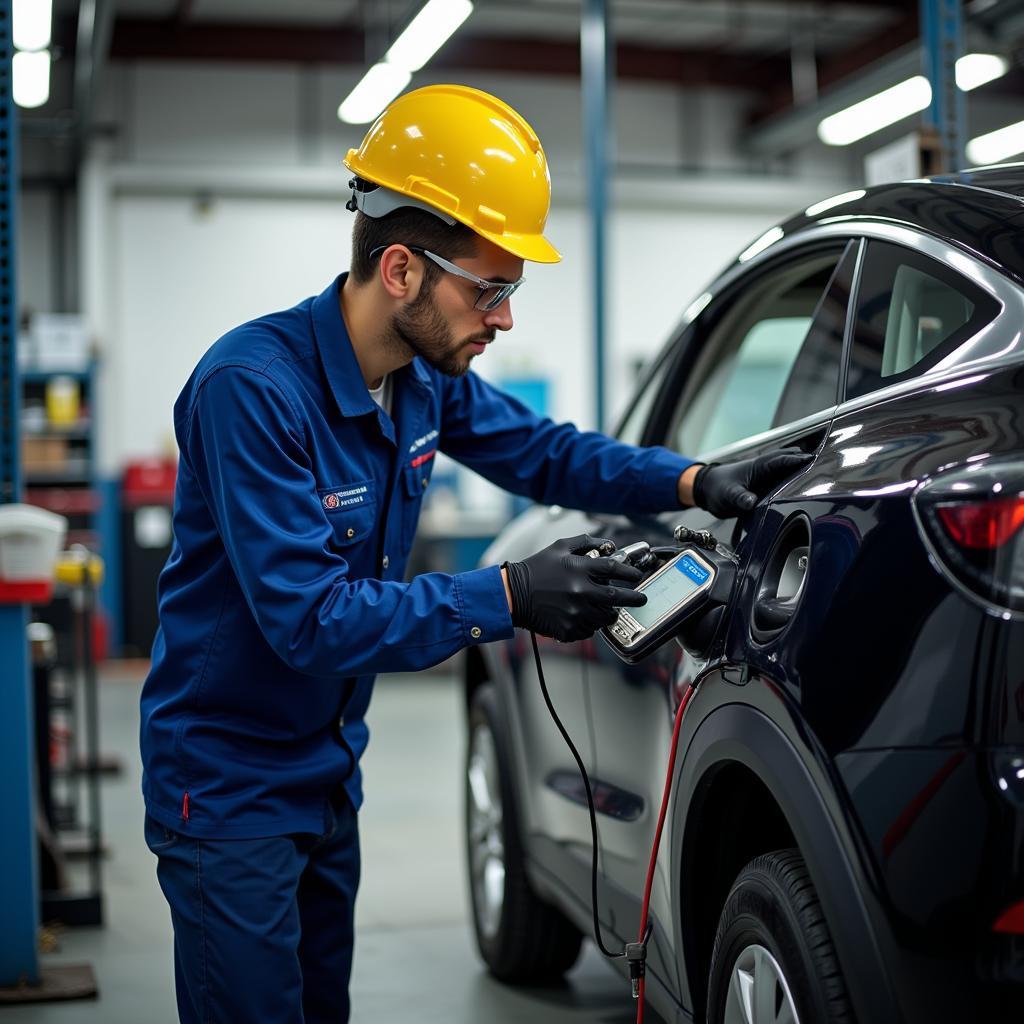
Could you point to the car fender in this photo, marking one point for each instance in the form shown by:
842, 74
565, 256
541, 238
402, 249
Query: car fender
740, 733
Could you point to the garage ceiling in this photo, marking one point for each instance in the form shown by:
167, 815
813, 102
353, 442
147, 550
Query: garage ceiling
755, 45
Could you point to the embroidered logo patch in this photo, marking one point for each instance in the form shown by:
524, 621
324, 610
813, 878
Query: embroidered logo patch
421, 441
342, 499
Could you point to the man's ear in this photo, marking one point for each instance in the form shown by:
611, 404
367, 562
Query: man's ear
400, 273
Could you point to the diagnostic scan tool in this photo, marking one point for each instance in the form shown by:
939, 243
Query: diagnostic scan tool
689, 583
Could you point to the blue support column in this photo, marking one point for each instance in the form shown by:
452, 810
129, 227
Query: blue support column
597, 70
19, 876
942, 45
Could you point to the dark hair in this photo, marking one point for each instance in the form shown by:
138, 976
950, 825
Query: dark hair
407, 226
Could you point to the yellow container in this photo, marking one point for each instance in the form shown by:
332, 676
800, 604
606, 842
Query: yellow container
63, 401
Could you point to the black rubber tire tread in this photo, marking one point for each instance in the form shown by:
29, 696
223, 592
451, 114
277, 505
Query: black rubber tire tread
773, 902
535, 942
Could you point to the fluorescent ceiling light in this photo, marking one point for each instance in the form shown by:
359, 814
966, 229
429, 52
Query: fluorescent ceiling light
900, 101
31, 78
998, 145
828, 204
876, 112
427, 33
422, 38
770, 237
974, 69
377, 88
32, 21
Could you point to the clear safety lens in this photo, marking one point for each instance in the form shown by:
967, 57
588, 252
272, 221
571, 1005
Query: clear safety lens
494, 295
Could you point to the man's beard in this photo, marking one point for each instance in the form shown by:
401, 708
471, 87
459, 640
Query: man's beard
424, 330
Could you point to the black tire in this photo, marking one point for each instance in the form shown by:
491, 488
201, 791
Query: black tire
525, 940
774, 909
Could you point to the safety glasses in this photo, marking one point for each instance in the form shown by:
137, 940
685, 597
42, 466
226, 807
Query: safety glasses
490, 294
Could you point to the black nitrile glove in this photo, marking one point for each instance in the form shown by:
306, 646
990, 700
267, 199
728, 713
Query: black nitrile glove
561, 593
736, 487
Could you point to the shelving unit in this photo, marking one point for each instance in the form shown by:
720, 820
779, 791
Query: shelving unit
58, 460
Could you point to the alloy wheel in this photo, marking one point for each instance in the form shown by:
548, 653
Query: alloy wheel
758, 991
486, 840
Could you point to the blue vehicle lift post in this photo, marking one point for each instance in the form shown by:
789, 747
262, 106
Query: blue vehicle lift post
597, 67
942, 45
19, 877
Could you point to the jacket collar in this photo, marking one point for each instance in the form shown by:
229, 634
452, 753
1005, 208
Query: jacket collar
337, 355
339, 359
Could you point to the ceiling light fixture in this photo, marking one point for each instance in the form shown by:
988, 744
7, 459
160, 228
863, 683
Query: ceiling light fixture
427, 33
974, 69
422, 38
376, 89
31, 78
909, 97
876, 112
997, 146
32, 24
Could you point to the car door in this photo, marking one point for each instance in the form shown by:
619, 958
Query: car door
758, 369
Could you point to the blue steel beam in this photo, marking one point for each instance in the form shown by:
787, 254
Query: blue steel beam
596, 71
19, 885
942, 47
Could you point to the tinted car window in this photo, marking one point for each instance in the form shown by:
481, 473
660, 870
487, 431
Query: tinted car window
814, 383
911, 311
750, 353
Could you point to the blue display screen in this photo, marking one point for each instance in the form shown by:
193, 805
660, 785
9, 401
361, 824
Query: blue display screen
670, 589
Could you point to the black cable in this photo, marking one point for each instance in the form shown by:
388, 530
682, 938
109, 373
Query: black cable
590, 799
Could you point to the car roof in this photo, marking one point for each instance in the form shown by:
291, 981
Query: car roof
980, 210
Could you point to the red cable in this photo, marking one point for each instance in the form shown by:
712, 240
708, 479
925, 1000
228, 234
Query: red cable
657, 836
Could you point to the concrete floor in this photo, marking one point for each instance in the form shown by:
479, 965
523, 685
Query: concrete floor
415, 959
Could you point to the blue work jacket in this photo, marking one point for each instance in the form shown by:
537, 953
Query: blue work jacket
295, 508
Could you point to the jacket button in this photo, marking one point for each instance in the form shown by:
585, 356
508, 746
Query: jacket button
425, 482
350, 532
476, 632
385, 561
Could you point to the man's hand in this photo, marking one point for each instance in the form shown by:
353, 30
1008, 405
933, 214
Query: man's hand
561, 593
736, 487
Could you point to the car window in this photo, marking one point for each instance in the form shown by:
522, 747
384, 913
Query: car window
911, 312
813, 384
632, 429
752, 348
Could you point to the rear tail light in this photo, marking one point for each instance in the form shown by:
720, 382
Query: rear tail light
972, 521
1011, 920
986, 525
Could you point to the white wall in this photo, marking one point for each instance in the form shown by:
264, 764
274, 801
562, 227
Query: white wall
222, 198
35, 271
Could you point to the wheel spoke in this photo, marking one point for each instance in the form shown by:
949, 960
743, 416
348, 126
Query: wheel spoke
744, 983
478, 786
485, 835
758, 992
766, 985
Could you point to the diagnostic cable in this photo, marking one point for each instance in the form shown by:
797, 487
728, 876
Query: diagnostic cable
629, 645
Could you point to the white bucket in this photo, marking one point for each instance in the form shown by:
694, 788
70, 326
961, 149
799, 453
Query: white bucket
30, 540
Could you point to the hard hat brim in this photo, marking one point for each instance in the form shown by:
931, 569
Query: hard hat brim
533, 248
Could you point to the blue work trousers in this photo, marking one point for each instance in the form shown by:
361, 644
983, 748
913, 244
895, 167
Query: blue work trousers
263, 928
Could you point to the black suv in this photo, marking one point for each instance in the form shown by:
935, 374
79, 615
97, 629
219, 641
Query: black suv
845, 839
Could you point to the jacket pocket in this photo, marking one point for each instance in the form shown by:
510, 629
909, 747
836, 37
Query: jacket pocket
351, 509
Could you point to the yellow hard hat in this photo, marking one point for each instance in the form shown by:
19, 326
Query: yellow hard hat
463, 153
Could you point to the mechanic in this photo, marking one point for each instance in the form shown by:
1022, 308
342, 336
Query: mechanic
306, 440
